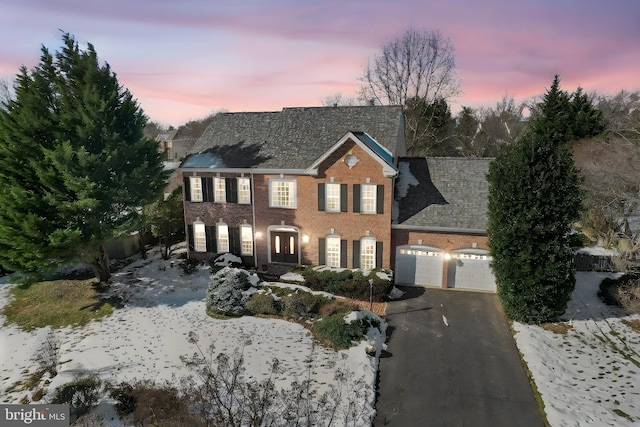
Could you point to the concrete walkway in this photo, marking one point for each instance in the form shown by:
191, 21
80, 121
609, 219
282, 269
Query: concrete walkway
451, 361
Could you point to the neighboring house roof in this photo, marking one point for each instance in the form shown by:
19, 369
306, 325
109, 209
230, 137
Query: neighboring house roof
293, 138
447, 194
166, 136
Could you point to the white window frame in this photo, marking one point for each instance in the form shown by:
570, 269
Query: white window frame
367, 253
332, 251
368, 198
246, 240
219, 190
195, 184
244, 191
199, 237
222, 237
332, 197
275, 199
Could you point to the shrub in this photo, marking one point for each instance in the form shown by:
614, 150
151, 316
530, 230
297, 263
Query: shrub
342, 335
189, 265
47, 353
347, 283
623, 291
260, 303
225, 292
298, 304
81, 395
151, 404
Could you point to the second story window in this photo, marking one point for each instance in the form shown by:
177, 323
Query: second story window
368, 198
332, 197
282, 193
196, 188
244, 191
220, 192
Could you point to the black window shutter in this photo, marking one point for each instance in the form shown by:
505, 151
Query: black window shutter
380, 199
231, 190
321, 197
192, 246
207, 189
356, 254
378, 254
187, 188
210, 233
343, 198
343, 254
356, 197
322, 251
234, 240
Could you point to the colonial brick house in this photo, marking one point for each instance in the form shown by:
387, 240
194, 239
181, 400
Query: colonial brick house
323, 186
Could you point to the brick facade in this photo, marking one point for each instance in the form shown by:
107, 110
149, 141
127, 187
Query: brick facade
311, 223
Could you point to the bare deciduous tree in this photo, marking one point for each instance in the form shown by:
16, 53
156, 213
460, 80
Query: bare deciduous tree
338, 100
415, 67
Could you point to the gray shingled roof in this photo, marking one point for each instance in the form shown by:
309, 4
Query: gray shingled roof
294, 137
443, 192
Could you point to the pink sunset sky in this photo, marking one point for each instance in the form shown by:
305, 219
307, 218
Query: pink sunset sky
183, 60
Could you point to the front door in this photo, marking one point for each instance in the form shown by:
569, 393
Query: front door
284, 247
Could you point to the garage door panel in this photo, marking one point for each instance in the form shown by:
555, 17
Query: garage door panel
419, 265
472, 274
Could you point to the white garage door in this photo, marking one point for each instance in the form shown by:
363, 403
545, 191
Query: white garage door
419, 265
470, 269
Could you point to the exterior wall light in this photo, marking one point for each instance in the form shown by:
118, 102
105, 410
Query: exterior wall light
305, 238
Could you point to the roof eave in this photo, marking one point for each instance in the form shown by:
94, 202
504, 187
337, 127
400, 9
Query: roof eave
435, 229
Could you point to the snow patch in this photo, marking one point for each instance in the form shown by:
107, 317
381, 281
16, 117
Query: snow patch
405, 180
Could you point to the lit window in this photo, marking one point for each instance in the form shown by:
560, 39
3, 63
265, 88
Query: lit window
223, 238
368, 204
332, 197
277, 244
367, 253
244, 191
199, 237
219, 194
196, 189
282, 193
333, 251
246, 236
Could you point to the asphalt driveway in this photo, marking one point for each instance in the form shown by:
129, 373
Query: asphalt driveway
451, 361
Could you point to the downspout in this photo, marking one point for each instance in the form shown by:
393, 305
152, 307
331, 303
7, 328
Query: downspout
253, 219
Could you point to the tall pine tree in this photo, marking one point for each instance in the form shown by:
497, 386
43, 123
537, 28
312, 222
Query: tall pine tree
75, 167
534, 198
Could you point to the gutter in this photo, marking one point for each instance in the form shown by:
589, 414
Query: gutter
452, 230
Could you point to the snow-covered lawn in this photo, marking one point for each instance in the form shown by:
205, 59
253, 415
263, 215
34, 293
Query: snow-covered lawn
589, 376
145, 339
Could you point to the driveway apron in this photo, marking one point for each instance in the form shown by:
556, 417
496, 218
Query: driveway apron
451, 361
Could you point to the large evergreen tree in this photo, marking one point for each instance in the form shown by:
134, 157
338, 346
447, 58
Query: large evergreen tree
534, 198
75, 167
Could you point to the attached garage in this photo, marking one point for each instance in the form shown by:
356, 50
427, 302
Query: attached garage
471, 269
419, 265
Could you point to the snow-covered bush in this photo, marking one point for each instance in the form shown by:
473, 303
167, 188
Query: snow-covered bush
226, 291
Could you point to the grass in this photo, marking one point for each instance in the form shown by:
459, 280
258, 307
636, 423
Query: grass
633, 324
57, 304
560, 328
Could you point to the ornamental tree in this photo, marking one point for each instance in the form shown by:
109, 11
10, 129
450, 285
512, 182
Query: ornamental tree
75, 167
534, 198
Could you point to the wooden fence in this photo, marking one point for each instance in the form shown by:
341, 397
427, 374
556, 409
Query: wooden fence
588, 262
